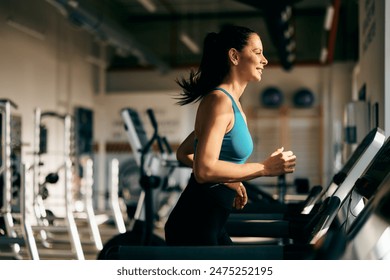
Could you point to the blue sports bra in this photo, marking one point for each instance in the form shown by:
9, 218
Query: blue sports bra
237, 144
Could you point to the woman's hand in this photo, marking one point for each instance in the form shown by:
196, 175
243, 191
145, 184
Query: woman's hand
279, 162
241, 198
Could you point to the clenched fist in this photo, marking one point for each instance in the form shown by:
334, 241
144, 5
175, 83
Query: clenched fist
279, 162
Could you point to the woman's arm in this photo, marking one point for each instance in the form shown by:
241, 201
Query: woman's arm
185, 152
214, 119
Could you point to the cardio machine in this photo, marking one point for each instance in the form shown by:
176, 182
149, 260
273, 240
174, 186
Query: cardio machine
155, 169
343, 206
368, 237
325, 219
348, 174
362, 225
296, 224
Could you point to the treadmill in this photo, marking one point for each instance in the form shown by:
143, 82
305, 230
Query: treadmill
324, 220
361, 230
237, 252
294, 225
368, 238
348, 174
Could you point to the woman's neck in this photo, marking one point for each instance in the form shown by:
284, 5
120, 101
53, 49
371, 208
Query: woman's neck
234, 88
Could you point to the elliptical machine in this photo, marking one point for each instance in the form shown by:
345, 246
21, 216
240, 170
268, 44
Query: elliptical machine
153, 173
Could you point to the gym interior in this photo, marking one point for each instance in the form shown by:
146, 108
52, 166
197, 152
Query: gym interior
90, 126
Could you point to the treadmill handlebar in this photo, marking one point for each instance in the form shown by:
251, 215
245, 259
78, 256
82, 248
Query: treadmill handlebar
339, 177
167, 145
160, 144
152, 119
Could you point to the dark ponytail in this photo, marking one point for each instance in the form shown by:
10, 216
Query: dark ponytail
214, 65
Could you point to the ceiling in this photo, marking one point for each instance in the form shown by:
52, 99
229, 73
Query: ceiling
153, 33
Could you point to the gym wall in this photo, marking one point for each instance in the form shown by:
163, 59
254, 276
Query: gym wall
43, 64
374, 61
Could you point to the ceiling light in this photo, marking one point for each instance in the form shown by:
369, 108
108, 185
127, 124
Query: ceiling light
289, 32
290, 46
148, 5
324, 55
286, 14
329, 18
25, 29
59, 7
190, 44
291, 58
73, 3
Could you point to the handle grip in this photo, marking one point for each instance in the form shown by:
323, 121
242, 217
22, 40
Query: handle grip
152, 119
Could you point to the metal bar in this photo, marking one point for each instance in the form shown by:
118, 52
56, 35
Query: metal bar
26, 227
6, 155
114, 199
87, 185
71, 224
7, 177
39, 210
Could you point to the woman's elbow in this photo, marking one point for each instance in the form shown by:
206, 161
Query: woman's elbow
202, 175
184, 159
179, 156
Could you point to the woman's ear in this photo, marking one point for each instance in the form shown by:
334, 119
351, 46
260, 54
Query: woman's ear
233, 56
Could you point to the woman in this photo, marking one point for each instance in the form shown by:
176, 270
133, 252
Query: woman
220, 144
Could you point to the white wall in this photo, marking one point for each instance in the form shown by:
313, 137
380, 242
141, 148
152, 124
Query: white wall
51, 73
43, 63
372, 55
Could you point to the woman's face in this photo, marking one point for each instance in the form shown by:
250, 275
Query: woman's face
251, 60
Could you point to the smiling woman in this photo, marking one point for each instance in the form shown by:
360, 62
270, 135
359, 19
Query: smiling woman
221, 143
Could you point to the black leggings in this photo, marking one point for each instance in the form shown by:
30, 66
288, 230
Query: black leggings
200, 215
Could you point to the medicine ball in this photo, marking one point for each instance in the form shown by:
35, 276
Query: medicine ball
271, 97
303, 98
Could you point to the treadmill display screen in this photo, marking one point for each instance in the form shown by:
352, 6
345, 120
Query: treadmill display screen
359, 151
376, 172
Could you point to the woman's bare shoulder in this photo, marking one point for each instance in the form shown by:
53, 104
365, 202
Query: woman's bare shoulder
215, 100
